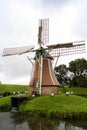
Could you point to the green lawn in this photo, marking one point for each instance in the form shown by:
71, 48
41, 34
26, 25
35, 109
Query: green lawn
13, 88
71, 106
5, 103
76, 90
60, 105
23, 88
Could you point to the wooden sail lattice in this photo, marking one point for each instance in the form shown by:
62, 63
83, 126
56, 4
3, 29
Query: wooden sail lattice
75, 48
17, 50
45, 31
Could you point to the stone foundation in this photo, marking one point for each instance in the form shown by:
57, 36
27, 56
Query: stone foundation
49, 90
45, 90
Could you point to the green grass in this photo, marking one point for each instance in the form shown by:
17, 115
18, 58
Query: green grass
76, 90
13, 88
5, 103
23, 88
61, 106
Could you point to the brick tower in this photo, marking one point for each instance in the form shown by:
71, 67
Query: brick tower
49, 83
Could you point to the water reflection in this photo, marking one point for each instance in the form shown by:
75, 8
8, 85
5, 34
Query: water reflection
11, 121
49, 124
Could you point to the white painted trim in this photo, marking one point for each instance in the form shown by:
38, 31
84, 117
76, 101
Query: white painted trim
41, 69
50, 72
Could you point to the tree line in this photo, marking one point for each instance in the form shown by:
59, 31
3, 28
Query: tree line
75, 75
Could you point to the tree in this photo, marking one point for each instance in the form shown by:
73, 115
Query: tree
78, 67
60, 72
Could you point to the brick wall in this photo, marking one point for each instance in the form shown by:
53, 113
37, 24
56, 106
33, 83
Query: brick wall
49, 90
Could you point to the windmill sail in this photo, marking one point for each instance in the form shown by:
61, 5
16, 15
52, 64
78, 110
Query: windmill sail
63, 49
45, 31
17, 50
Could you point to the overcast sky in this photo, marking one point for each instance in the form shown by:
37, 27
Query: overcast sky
19, 27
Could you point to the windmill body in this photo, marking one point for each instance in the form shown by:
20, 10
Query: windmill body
43, 80
49, 83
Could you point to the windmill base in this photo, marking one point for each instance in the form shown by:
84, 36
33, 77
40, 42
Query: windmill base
49, 90
45, 90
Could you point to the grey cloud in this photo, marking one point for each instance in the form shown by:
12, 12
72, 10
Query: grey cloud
16, 66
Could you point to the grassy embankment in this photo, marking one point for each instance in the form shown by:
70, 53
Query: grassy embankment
75, 90
13, 88
60, 105
5, 102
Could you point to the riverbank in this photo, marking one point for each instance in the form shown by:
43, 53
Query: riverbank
58, 106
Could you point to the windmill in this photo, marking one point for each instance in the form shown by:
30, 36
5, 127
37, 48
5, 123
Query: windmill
43, 80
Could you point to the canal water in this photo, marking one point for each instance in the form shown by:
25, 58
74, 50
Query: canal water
12, 121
